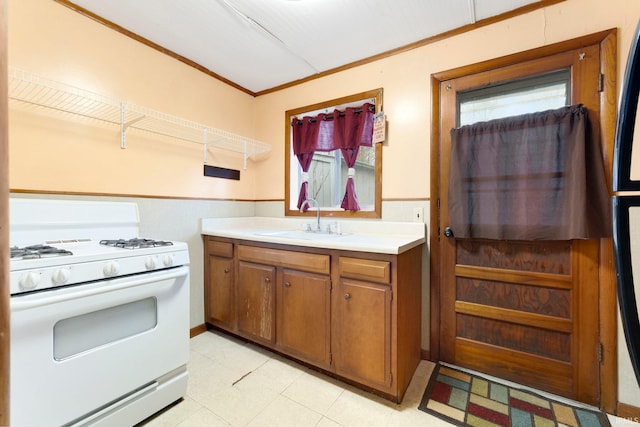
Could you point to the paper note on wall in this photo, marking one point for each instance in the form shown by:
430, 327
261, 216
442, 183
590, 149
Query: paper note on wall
379, 124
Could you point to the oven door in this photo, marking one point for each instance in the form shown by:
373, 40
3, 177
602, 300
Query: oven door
76, 350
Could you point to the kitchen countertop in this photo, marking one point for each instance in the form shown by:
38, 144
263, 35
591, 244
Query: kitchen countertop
355, 235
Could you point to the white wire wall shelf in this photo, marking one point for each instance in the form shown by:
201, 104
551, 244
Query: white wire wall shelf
42, 92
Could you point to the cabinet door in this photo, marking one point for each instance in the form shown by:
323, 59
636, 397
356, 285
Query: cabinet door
256, 301
220, 299
304, 316
362, 332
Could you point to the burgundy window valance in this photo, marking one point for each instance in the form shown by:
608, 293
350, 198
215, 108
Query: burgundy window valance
344, 130
537, 176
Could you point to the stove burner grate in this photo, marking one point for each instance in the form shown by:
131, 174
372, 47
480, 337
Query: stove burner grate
37, 251
136, 243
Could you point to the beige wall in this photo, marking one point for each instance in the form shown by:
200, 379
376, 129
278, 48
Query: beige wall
54, 41
49, 39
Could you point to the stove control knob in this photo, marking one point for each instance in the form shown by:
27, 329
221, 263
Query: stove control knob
168, 260
61, 276
29, 280
150, 263
111, 268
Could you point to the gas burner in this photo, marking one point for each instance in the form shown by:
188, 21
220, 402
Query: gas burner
136, 243
37, 251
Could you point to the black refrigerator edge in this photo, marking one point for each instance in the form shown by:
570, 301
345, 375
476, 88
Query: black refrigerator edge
626, 203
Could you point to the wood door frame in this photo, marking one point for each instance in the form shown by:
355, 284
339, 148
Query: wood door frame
607, 41
4, 222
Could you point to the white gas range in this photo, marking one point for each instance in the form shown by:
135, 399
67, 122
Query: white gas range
99, 316
57, 263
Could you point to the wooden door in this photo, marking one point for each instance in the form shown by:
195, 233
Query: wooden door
522, 311
256, 301
363, 331
304, 315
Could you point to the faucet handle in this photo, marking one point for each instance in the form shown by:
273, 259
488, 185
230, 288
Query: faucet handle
309, 227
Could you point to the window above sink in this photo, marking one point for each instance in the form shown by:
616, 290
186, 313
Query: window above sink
328, 172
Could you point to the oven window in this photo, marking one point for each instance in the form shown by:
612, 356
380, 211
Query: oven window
82, 333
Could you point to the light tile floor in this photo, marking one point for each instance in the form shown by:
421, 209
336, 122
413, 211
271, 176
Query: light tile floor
233, 383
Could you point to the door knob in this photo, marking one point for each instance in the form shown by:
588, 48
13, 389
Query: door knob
448, 232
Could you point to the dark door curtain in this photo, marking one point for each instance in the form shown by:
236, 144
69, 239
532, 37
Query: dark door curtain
537, 176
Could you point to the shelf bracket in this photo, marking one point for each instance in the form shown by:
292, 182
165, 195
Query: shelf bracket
244, 154
124, 124
123, 127
204, 140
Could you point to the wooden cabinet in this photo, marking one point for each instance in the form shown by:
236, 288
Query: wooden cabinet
353, 314
219, 284
362, 332
363, 321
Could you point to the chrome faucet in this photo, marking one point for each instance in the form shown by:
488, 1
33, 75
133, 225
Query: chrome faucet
307, 202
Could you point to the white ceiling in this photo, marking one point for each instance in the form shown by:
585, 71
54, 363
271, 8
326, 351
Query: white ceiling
262, 44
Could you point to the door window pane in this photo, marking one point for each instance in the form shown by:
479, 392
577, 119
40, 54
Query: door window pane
544, 92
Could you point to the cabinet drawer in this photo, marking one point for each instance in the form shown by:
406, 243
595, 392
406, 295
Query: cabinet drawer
365, 269
314, 263
223, 249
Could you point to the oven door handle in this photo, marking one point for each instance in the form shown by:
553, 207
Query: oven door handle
18, 305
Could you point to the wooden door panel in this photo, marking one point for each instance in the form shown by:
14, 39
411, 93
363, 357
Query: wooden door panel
528, 319
220, 293
256, 301
537, 341
552, 257
540, 372
364, 331
304, 315
534, 296
517, 300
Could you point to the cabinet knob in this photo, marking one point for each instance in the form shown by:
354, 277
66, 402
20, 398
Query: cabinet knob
287, 284
226, 270
267, 279
347, 296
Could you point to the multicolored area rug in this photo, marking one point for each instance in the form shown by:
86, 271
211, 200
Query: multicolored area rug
465, 399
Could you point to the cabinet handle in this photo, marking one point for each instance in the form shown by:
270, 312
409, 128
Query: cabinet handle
267, 280
347, 296
287, 284
226, 270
